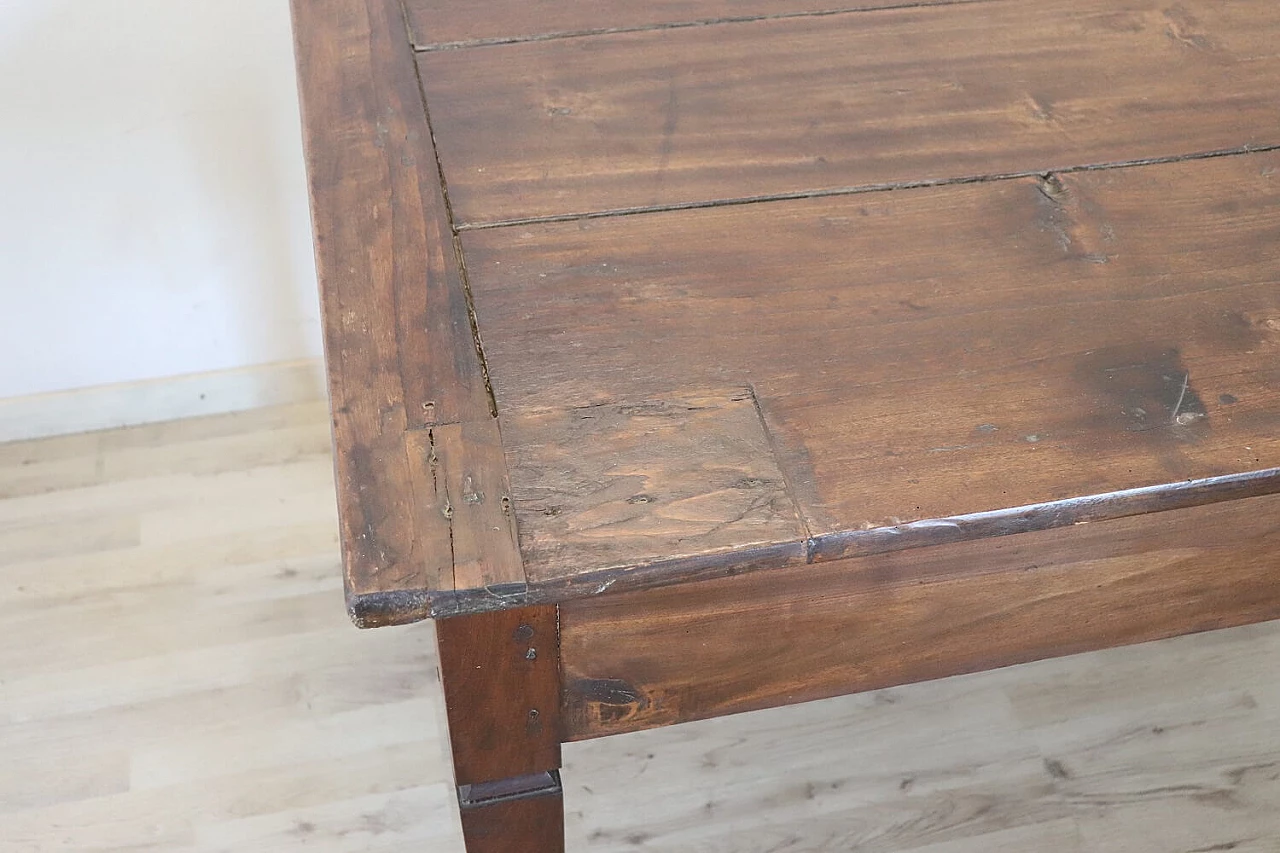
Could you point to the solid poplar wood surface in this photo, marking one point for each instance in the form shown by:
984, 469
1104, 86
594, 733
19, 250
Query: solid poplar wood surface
867, 98
637, 660
917, 355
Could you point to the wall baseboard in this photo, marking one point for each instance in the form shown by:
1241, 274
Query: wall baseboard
156, 400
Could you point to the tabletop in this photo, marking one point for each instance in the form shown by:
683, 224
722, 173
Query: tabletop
624, 295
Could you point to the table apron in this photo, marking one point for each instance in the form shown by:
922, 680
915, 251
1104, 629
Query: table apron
647, 658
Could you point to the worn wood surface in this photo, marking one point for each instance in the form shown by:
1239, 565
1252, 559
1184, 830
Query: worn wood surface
501, 684
918, 355
469, 460
443, 24
921, 94
398, 335
638, 660
609, 485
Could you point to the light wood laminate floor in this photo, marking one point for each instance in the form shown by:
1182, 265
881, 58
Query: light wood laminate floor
177, 673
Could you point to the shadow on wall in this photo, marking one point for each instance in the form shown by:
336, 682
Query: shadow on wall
153, 214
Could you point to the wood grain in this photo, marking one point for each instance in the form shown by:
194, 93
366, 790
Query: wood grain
501, 684
924, 355
439, 23
816, 104
398, 336
613, 485
469, 459
637, 660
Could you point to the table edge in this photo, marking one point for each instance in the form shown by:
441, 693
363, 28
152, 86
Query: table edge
405, 606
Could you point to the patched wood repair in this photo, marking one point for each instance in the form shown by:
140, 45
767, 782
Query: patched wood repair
617, 484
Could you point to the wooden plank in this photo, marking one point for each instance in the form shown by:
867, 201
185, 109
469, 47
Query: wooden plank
636, 660
815, 104
484, 539
928, 354
398, 337
502, 686
440, 23
615, 484
432, 544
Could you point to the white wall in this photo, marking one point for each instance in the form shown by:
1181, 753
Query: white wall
153, 212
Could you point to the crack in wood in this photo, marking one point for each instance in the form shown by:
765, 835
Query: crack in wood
432, 47
868, 188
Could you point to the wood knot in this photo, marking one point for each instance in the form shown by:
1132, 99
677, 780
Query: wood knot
1052, 188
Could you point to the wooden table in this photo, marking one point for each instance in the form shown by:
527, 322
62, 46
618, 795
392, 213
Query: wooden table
695, 356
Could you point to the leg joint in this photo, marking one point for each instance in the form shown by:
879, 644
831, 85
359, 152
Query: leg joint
504, 790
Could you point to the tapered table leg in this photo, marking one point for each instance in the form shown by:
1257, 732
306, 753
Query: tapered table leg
502, 690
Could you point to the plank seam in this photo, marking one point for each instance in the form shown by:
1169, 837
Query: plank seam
861, 189
453, 227
511, 598
498, 41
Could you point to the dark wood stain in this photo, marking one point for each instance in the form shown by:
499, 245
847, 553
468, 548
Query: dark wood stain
606, 691
716, 647
1145, 389
830, 103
